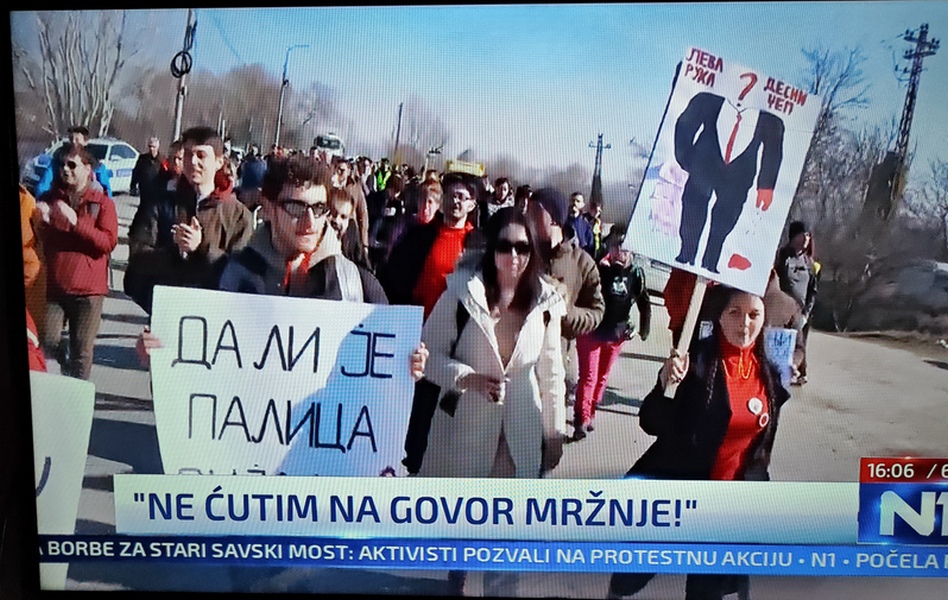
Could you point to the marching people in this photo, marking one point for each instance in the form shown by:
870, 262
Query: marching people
501, 413
581, 229
593, 215
385, 209
623, 285
721, 423
78, 227
34, 281
251, 172
34, 267
343, 177
147, 167
182, 239
416, 273
78, 135
297, 252
782, 311
574, 272
798, 276
501, 197
522, 197
342, 218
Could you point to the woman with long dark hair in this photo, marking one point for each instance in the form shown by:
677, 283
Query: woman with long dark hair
721, 423
499, 365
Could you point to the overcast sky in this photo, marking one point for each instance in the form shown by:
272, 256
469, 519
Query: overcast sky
539, 82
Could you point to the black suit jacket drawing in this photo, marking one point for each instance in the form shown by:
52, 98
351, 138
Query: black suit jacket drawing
702, 158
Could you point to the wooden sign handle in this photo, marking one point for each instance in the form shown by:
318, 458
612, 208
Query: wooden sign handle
691, 321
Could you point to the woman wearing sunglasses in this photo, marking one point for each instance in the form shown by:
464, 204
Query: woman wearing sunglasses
494, 343
504, 365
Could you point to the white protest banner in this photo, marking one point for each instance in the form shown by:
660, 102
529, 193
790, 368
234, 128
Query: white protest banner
62, 419
779, 345
248, 384
725, 167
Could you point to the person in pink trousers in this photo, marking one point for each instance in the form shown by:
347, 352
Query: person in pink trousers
623, 285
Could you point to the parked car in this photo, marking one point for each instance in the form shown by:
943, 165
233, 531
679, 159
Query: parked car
118, 156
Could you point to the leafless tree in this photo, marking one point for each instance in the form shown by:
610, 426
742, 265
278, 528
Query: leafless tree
837, 77
930, 205
77, 72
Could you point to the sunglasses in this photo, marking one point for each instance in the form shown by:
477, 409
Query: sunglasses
72, 165
507, 247
297, 208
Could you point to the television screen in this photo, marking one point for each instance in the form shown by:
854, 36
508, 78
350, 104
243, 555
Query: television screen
583, 301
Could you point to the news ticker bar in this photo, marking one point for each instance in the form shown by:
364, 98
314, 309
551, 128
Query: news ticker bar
501, 555
488, 509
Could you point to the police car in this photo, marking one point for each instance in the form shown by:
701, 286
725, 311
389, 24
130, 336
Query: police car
118, 156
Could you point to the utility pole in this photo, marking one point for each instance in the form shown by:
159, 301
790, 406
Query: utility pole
887, 181
398, 133
283, 85
180, 67
595, 195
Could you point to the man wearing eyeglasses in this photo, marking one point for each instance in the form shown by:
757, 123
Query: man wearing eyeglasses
296, 252
78, 136
78, 226
182, 240
416, 273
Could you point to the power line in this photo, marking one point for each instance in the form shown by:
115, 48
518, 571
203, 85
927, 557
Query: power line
226, 40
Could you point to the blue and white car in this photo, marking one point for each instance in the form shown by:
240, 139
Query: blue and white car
119, 158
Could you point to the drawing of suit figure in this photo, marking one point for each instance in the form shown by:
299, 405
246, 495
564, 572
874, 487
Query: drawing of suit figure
723, 160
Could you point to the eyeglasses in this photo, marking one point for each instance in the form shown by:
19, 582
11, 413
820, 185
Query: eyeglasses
507, 247
297, 208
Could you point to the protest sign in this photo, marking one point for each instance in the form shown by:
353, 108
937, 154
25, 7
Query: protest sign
266, 385
779, 345
62, 419
725, 167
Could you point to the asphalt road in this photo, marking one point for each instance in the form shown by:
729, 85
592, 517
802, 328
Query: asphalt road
863, 399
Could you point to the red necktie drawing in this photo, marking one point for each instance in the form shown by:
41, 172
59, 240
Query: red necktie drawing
730, 140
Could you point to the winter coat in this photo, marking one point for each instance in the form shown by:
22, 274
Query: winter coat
576, 271
251, 173
259, 269
534, 407
226, 226
400, 274
583, 233
147, 168
798, 278
77, 260
691, 427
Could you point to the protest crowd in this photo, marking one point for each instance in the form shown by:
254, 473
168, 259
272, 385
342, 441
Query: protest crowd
528, 298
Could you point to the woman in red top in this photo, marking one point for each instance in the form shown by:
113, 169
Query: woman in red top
721, 423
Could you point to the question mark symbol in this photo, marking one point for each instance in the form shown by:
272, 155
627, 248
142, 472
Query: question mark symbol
749, 86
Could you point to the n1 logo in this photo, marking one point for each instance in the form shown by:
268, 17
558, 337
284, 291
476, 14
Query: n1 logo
903, 513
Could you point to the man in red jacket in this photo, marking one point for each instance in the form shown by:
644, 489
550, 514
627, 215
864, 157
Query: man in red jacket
79, 230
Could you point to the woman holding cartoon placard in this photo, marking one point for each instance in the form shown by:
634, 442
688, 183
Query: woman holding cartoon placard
721, 423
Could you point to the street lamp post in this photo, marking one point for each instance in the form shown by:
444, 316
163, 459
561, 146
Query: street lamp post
283, 84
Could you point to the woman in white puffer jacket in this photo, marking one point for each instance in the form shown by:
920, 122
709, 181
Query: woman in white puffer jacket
505, 365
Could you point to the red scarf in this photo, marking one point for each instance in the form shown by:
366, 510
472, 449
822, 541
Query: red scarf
295, 276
